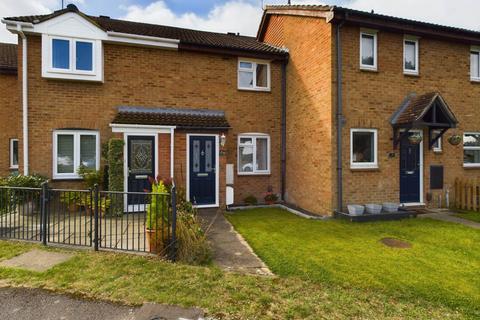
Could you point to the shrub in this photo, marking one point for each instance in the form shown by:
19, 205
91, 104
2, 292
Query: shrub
270, 197
114, 153
157, 209
10, 198
91, 177
250, 200
32, 181
192, 247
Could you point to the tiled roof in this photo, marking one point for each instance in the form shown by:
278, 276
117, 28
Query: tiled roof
186, 36
8, 58
182, 118
415, 107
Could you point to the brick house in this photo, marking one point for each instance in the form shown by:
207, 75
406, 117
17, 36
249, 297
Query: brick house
380, 130
399, 80
180, 99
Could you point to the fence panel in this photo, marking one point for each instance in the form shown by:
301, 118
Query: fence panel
467, 193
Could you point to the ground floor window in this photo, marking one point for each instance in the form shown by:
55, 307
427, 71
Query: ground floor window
253, 154
13, 153
437, 146
72, 149
363, 148
471, 149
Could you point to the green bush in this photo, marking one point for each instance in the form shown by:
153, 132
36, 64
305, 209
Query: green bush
91, 177
157, 209
115, 164
11, 198
32, 181
250, 200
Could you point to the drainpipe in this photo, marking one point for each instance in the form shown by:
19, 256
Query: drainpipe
340, 118
24, 99
284, 129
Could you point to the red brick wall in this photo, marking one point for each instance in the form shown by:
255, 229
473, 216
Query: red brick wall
138, 76
10, 115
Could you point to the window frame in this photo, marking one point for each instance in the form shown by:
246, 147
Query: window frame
13, 166
474, 50
469, 165
254, 71
373, 34
76, 152
438, 148
364, 165
414, 40
72, 69
254, 137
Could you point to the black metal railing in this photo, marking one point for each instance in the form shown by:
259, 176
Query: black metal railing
125, 221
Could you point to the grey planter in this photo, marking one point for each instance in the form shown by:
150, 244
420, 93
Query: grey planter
373, 208
355, 209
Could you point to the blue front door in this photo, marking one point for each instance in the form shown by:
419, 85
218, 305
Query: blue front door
409, 171
202, 170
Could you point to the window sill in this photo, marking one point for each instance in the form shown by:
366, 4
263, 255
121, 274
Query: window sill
253, 173
438, 152
475, 80
369, 69
474, 166
369, 168
254, 89
411, 73
71, 178
13, 168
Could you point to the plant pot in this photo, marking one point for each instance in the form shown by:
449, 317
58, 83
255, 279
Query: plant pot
455, 139
373, 208
390, 207
154, 241
355, 210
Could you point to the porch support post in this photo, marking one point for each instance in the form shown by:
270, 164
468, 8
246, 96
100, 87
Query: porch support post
172, 141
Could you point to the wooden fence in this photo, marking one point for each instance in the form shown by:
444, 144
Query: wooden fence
467, 193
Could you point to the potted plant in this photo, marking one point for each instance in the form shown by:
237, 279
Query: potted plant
270, 198
455, 139
156, 225
415, 138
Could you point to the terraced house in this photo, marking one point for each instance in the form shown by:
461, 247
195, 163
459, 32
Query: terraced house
356, 108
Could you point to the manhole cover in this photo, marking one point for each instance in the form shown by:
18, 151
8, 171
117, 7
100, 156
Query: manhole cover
395, 243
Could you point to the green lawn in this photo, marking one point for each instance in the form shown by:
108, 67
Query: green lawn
443, 265
136, 279
469, 215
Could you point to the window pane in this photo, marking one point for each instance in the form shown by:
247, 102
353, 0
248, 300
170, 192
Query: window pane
438, 144
248, 141
88, 151
84, 53
471, 156
471, 140
262, 154
363, 147
14, 153
245, 79
61, 54
410, 55
208, 156
65, 154
245, 162
246, 65
475, 65
262, 75
368, 47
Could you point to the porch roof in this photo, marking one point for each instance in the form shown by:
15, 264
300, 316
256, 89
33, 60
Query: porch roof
181, 118
427, 110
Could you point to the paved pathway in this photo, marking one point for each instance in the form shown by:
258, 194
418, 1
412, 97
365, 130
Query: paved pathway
449, 217
230, 251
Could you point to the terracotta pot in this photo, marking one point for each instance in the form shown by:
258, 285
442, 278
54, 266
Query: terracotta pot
154, 241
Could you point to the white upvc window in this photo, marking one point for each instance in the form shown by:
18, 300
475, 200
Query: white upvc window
410, 55
437, 146
475, 64
363, 149
368, 50
471, 149
13, 153
73, 148
253, 154
253, 75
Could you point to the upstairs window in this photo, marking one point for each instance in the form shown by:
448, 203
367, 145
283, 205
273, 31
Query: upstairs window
71, 149
13, 153
475, 65
471, 149
363, 148
410, 56
253, 154
253, 75
368, 50
72, 55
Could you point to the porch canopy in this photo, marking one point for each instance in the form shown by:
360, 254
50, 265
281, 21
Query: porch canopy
423, 111
175, 117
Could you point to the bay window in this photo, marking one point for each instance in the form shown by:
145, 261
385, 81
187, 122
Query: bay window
471, 149
72, 149
363, 148
253, 154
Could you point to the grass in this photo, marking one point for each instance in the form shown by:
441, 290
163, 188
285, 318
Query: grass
134, 280
443, 265
469, 215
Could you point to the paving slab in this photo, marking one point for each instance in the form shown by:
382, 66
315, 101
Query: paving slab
153, 311
230, 251
36, 260
449, 217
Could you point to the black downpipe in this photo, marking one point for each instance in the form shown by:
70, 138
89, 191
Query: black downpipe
340, 119
284, 129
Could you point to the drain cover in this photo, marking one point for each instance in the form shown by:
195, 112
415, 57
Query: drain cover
395, 243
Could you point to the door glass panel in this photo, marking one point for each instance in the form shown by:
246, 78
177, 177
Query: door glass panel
65, 153
262, 154
88, 151
208, 156
141, 157
196, 155
246, 158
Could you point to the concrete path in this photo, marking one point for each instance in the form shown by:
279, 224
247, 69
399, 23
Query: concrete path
230, 251
449, 217
32, 304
